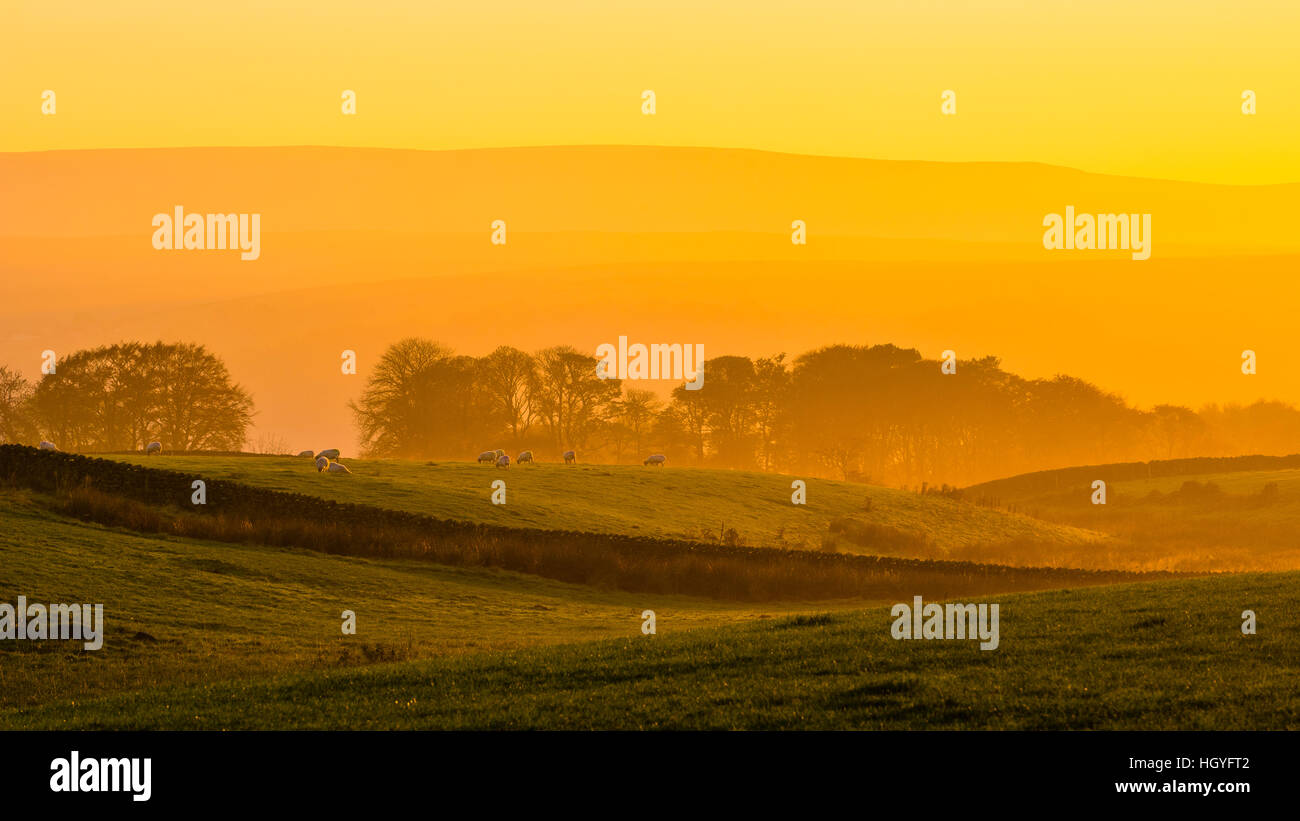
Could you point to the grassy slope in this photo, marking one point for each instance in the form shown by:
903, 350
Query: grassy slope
1235, 531
630, 499
1061, 495
206, 611
1238, 482
1164, 655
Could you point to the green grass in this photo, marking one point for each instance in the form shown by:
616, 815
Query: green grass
185, 611
1157, 525
1249, 481
1163, 655
232, 636
688, 503
1051, 501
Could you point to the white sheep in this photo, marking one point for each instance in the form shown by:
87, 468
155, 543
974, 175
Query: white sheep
657, 460
499, 452
503, 461
329, 453
338, 467
48, 446
322, 463
570, 457
153, 447
308, 453
526, 456
488, 456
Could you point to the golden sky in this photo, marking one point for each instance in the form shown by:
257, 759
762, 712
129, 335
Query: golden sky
1148, 88
931, 254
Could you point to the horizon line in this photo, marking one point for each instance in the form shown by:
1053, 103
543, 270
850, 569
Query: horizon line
643, 146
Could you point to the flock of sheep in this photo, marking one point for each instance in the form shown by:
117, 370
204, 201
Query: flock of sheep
152, 447
501, 459
327, 460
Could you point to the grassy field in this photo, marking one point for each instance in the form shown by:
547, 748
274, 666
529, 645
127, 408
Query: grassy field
695, 504
1240, 483
1165, 655
191, 611
231, 635
1231, 520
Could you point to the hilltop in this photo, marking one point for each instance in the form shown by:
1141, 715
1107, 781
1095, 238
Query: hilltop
206, 634
1234, 514
196, 611
696, 504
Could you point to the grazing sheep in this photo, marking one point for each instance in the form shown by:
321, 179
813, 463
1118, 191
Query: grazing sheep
153, 447
48, 446
657, 460
322, 464
526, 456
338, 467
309, 454
331, 453
570, 457
503, 461
488, 456
499, 452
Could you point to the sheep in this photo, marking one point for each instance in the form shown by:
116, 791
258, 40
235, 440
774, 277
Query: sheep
330, 453
309, 454
526, 456
153, 447
570, 457
322, 463
48, 446
657, 460
338, 467
488, 456
499, 452
503, 461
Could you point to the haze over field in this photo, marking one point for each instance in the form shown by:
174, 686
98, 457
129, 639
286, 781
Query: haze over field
362, 247
979, 404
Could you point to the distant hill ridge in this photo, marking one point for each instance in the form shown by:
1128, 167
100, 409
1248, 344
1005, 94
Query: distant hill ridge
1064, 478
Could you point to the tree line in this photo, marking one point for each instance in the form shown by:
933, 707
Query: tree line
123, 396
877, 413
869, 413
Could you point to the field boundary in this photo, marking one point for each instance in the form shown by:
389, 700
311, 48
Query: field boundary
155, 500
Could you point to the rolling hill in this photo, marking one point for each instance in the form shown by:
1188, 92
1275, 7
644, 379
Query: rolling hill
1234, 514
1167, 655
226, 635
185, 610
693, 504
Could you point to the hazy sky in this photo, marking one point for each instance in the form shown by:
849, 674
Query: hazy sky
1150, 88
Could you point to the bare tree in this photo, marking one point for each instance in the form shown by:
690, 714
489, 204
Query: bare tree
509, 375
269, 443
389, 411
15, 411
637, 410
